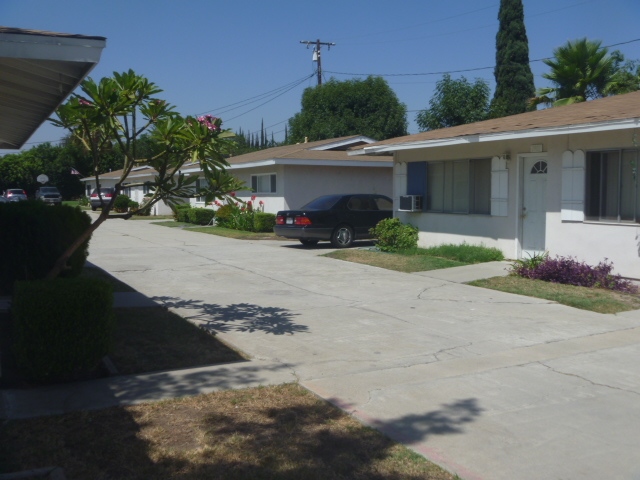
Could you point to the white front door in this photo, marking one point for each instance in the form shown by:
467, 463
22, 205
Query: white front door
534, 206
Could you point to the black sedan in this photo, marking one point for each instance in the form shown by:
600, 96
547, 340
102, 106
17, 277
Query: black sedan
341, 219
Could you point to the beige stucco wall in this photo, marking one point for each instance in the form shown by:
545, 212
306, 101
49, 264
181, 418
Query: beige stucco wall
587, 241
303, 184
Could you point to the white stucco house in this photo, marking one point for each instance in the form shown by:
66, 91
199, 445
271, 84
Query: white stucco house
562, 180
281, 177
137, 177
289, 176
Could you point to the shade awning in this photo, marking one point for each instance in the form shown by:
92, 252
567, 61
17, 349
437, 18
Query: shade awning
38, 71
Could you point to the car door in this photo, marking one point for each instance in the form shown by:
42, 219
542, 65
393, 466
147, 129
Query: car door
362, 215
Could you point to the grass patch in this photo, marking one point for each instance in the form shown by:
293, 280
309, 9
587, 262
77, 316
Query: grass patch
75, 203
150, 339
421, 259
463, 253
221, 231
592, 299
150, 217
400, 262
281, 432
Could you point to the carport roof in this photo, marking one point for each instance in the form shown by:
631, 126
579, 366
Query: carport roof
38, 70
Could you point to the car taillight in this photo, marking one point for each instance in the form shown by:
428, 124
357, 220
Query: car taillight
107, 195
24, 193
301, 221
280, 220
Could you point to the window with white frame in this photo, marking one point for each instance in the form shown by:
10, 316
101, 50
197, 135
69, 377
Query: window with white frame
460, 186
263, 183
611, 186
201, 183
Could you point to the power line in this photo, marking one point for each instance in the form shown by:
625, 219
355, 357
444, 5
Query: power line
256, 98
454, 71
271, 99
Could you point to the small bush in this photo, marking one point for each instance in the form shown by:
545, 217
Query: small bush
83, 201
263, 222
200, 216
224, 214
466, 253
392, 235
181, 212
32, 238
569, 271
142, 209
121, 204
64, 334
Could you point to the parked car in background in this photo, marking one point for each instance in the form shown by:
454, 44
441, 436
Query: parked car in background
15, 194
49, 195
340, 219
105, 192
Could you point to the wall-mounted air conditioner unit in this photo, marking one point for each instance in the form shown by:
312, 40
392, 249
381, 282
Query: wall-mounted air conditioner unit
410, 203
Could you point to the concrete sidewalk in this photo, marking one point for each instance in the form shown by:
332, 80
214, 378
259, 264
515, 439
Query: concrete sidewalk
487, 384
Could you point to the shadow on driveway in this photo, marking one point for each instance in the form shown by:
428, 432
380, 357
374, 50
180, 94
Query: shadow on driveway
239, 317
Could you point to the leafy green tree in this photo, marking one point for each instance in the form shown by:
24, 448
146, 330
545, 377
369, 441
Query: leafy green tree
626, 77
115, 113
353, 107
581, 70
455, 102
514, 80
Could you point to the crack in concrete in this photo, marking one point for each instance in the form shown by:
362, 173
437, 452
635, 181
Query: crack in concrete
445, 350
595, 384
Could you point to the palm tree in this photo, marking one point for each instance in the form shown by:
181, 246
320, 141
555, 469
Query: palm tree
581, 70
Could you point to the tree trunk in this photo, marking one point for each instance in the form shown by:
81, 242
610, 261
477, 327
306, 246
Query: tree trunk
61, 263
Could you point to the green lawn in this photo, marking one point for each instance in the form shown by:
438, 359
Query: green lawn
593, 299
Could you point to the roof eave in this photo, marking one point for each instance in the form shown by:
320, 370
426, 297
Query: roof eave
500, 136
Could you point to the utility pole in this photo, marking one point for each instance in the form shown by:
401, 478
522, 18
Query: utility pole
316, 54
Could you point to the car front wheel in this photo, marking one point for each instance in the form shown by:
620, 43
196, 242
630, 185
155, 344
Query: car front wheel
342, 236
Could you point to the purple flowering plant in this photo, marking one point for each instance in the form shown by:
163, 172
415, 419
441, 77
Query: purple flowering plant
569, 271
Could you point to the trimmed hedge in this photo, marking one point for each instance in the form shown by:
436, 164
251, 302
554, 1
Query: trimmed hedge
263, 222
34, 235
200, 216
66, 332
181, 212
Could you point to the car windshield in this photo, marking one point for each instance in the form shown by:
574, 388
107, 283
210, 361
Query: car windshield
48, 190
322, 203
14, 191
103, 191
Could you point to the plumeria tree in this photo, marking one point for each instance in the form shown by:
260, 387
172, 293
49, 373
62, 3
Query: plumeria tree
114, 113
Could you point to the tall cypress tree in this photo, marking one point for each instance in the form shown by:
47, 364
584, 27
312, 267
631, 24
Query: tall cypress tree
514, 80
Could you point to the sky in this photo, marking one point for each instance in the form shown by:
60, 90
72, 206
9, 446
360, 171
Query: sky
244, 61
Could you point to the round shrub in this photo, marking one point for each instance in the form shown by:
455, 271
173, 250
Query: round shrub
121, 204
392, 235
225, 214
34, 236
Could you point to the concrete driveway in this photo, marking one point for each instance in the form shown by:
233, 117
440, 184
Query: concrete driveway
486, 384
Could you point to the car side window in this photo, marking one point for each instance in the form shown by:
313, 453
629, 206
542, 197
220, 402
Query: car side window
355, 203
384, 204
